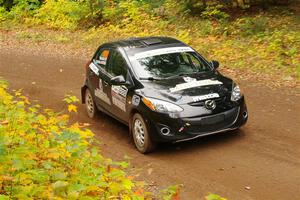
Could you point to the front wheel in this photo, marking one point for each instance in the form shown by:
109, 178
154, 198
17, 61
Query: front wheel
140, 134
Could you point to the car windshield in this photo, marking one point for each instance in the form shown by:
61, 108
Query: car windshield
168, 64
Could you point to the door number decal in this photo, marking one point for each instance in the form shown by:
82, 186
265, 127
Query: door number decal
119, 94
101, 94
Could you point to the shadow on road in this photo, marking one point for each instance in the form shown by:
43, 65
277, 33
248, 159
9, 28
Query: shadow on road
107, 126
202, 142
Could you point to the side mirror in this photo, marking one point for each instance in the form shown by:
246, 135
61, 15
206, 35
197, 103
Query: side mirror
215, 64
118, 80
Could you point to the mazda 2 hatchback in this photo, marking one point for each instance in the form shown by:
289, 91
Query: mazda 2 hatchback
163, 90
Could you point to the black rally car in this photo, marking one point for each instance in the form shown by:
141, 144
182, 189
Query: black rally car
163, 90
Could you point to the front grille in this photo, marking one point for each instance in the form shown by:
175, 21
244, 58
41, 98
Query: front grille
212, 123
222, 102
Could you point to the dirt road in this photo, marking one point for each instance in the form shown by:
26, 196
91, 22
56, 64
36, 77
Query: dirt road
261, 161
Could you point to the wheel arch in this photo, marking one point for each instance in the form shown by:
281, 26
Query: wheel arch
132, 113
83, 90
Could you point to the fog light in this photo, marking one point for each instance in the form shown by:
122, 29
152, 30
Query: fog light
165, 131
181, 129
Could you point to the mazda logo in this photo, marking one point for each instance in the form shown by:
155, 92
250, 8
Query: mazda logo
210, 104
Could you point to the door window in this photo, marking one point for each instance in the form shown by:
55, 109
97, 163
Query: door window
117, 65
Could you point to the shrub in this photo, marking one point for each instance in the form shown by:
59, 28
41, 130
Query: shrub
125, 12
62, 14
248, 26
214, 11
23, 9
42, 157
95, 13
3, 14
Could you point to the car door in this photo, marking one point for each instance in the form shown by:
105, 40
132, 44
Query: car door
100, 79
119, 93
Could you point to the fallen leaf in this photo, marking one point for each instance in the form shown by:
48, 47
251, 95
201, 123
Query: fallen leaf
72, 108
150, 170
139, 191
247, 187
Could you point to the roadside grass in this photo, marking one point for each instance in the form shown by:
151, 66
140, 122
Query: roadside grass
34, 37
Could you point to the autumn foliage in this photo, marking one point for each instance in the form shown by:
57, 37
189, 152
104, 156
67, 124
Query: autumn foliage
43, 157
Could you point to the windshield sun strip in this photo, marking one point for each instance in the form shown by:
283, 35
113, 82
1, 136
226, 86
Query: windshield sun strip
157, 52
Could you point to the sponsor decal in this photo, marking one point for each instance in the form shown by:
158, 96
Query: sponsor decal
119, 94
162, 51
94, 68
207, 96
102, 62
101, 94
189, 79
136, 100
193, 84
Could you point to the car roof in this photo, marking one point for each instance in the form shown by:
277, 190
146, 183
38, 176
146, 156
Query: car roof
140, 44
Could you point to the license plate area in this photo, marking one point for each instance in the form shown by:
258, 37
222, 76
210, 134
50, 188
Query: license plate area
213, 120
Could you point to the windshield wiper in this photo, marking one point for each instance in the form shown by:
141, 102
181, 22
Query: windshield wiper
183, 74
150, 78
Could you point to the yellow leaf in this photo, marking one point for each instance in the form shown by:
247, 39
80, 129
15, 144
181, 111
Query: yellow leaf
26, 100
92, 188
86, 134
126, 197
72, 108
53, 155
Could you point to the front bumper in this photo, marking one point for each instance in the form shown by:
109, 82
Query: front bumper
163, 128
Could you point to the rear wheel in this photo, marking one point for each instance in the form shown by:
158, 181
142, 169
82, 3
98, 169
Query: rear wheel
140, 134
90, 104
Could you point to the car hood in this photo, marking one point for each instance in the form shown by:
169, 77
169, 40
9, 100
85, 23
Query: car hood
189, 88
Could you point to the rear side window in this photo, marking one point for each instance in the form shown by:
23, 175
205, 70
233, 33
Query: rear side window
117, 65
102, 57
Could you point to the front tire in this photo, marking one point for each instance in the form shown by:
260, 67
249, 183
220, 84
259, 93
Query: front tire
90, 104
140, 134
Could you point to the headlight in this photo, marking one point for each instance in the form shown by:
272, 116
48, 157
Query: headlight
236, 92
161, 106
